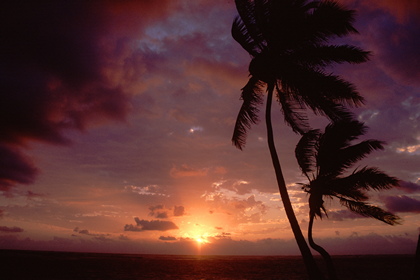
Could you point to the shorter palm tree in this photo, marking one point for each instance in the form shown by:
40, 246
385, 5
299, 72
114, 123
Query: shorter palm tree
324, 159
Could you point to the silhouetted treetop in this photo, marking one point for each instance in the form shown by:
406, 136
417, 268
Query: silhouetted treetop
289, 45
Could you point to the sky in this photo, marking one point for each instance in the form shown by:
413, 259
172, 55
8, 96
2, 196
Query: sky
116, 120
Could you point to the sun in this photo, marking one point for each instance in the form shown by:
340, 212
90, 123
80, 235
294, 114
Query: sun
201, 240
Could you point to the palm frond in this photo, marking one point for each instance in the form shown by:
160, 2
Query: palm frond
337, 137
330, 19
292, 112
324, 55
240, 34
288, 25
371, 178
262, 18
333, 111
248, 114
368, 210
247, 24
346, 188
348, 156
305, 151
314, 88
319, 85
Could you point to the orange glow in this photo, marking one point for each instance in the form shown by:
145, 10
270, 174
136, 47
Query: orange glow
201, 240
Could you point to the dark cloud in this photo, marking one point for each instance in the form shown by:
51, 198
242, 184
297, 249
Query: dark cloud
179, 211
402, 203
144, 225
15, 168
161, 215
10, 229
123, 237
223, 235
130, 227
409, 187
392, 35
396, 47
52, 62
96, 236
58, 66
158, 214
167, 238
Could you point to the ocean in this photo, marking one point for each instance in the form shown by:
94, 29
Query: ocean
31, 265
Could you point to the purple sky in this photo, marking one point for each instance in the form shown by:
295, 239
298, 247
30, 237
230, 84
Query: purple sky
115, 127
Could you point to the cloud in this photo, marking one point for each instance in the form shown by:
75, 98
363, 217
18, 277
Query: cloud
409, 187
10, 229
401, 9
144, 225
158, 214
150, 190
396, 46
179, 211
123, 237
161, 212
223, 235
96, 236
167, 238
62, 70
161, 215
402, 203
187, 171
16, 168
84, 231
391, 36
245, 210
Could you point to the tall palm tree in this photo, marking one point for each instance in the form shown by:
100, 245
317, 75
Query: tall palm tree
288, 44
324, 159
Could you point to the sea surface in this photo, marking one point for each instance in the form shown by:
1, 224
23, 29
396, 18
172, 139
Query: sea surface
64, 265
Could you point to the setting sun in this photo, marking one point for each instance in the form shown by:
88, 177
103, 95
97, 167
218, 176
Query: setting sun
201, 240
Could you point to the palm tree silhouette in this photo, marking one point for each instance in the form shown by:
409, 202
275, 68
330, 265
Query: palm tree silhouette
324, 159
288, 43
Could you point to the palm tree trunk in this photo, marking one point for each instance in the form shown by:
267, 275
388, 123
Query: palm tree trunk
332, 275
308, 259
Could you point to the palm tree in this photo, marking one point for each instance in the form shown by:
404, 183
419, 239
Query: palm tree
324, 159
288, 43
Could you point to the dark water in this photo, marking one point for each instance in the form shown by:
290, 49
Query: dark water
61, 265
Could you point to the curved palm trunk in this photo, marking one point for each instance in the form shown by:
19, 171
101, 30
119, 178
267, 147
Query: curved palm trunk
327, 258
308, 259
